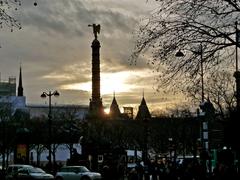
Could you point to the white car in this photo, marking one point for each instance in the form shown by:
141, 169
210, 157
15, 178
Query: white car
13, 169
33, 173
76, 173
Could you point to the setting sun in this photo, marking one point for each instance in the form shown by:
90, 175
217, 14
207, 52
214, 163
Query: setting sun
110, 82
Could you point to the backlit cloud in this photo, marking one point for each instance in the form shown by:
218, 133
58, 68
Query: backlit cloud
54, 48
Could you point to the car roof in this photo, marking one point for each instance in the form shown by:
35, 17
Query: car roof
72, 166
19, 165
27, 167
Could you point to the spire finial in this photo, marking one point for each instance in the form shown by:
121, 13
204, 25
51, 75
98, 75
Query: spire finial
113, 94
143, 93
208, 98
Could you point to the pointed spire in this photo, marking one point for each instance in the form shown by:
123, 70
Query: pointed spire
114, 109
143, 102
143, 111
20, 87
208, 98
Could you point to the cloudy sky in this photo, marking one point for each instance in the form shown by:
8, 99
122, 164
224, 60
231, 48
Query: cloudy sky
54, 49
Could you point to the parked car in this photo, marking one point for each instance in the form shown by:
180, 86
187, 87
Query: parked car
2, 174
12, 170
76, 173
33, 173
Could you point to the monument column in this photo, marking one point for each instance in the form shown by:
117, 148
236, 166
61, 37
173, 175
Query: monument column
96, 106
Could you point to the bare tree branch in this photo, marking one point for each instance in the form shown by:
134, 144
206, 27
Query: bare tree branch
185, 24
7, 17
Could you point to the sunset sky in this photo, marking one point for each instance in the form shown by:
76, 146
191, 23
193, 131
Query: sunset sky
54, 49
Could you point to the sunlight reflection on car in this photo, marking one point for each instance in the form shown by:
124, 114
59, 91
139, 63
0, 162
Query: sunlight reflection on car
33, 173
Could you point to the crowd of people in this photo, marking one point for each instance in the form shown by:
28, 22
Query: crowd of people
187, 170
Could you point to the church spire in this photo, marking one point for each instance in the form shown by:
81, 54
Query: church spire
143, 111
114, 109
20, 87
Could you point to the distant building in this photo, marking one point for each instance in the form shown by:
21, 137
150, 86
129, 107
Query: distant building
17, 101
143, 111
8, 88
128, 112
75, 111
8, 96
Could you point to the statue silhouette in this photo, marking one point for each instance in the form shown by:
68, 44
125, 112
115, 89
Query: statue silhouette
96, 29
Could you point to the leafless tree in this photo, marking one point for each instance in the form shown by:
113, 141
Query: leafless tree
5, 142
39, 148
185, 25
7, 17
180, 112
220, 90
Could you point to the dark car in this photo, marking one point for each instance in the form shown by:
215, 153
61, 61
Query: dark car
33, 173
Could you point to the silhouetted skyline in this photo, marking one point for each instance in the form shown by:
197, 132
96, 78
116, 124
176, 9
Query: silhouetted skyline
54, 48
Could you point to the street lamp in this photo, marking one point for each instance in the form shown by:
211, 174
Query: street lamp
49, 95
200, 52
145, 150
204, 123
172, 150
170, 147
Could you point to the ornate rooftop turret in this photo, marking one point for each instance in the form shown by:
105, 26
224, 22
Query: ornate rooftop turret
114, 109
143, 111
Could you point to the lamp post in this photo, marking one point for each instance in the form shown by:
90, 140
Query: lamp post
145, 153
49, 95
204, 123
200, 52
170, 147
145, 149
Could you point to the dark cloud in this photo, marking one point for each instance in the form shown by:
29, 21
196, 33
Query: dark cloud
52, 17
72, 17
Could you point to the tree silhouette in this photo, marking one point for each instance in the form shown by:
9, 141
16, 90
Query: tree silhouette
7, 17
184, 25
220, 89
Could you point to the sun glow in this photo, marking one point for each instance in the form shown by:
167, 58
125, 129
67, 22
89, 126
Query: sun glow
107, 110
110, 82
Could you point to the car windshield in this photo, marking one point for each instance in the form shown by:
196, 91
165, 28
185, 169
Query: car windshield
83, 169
